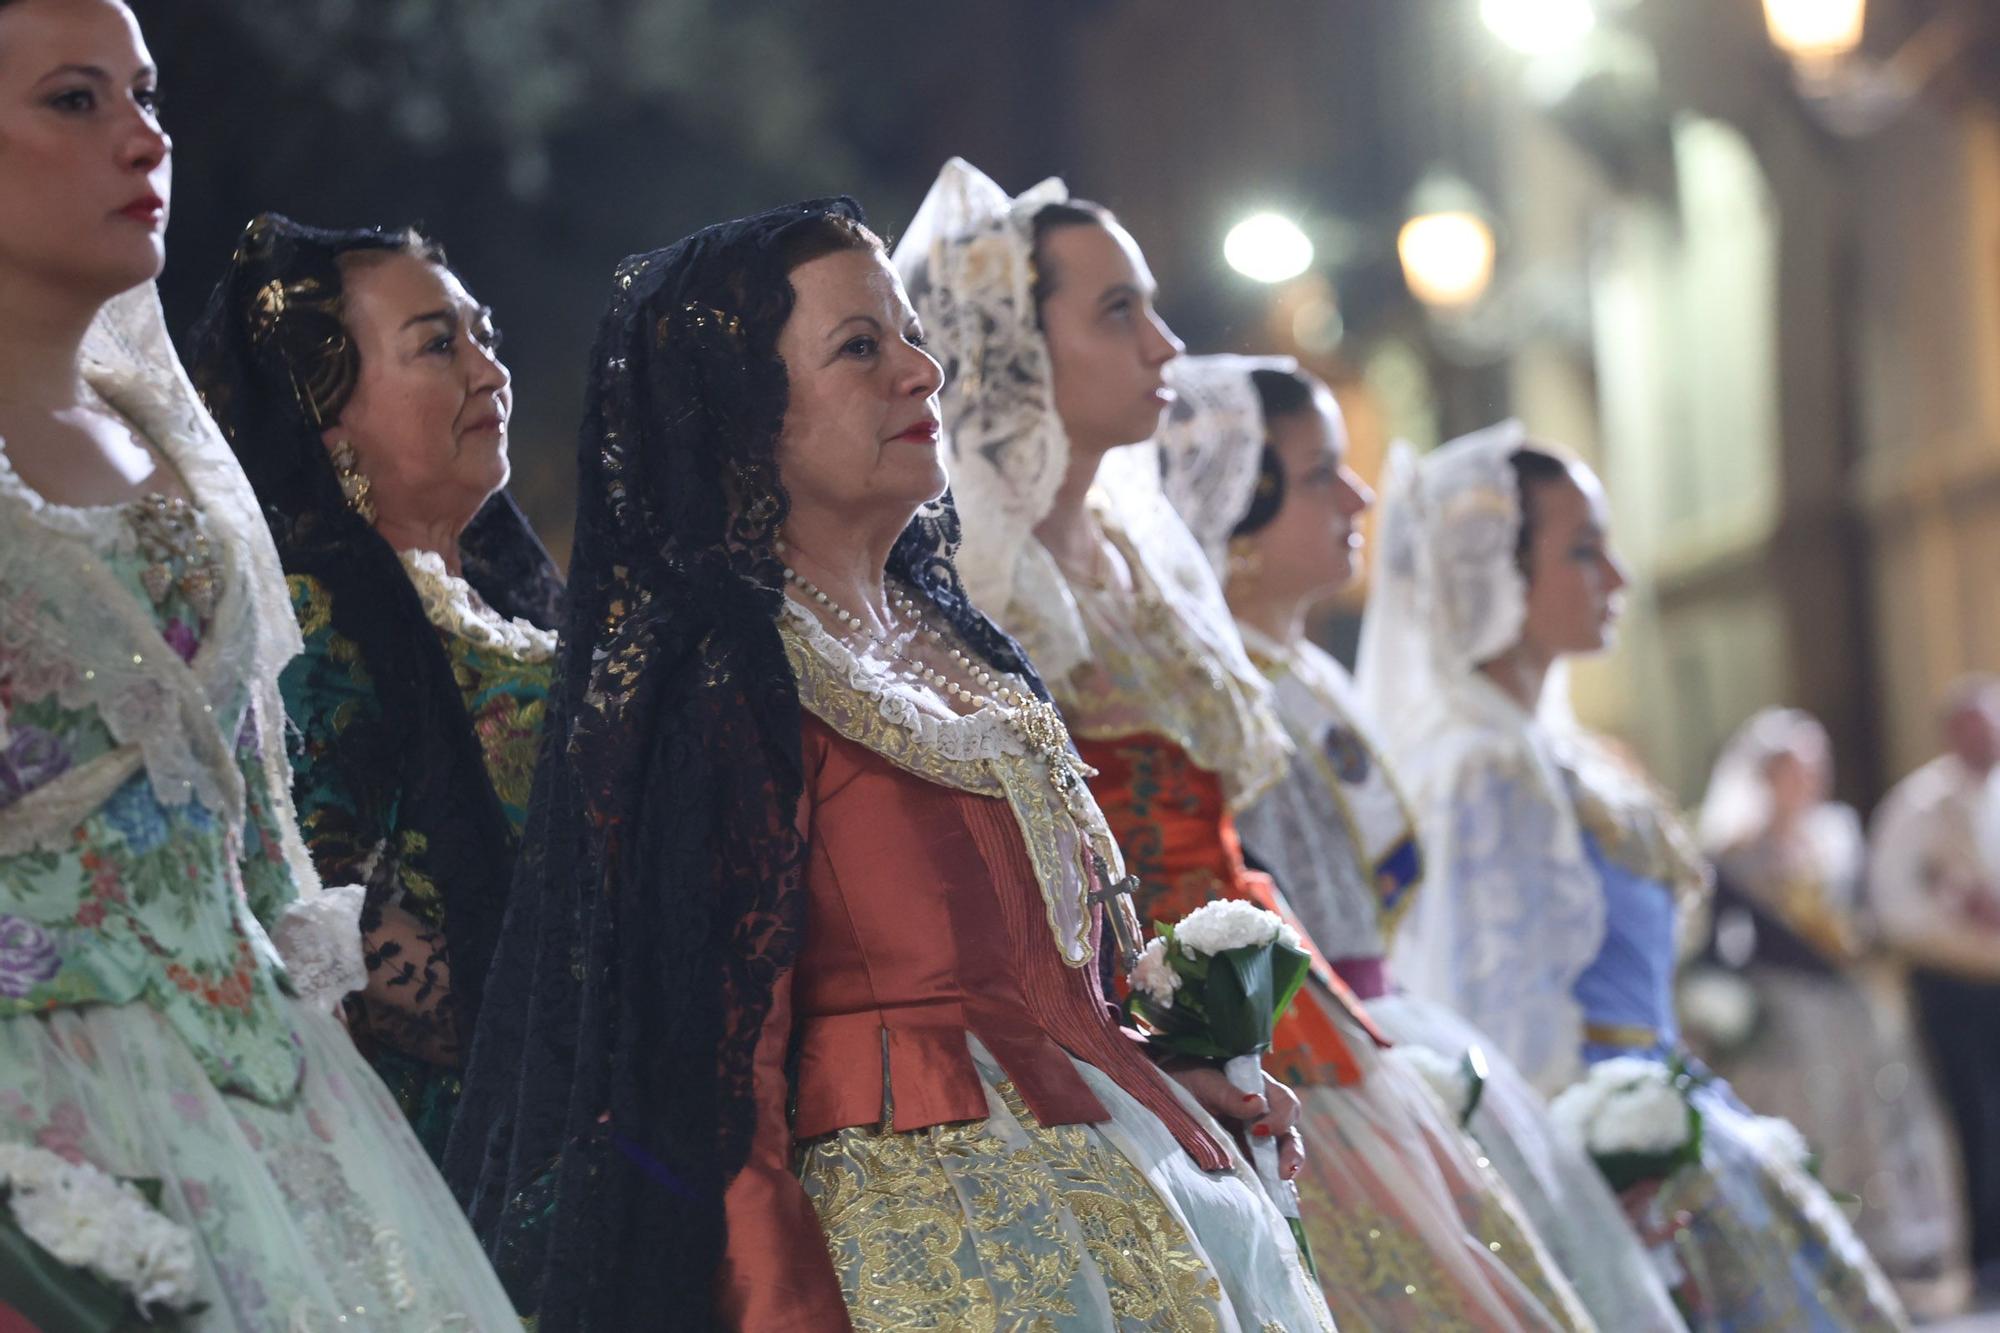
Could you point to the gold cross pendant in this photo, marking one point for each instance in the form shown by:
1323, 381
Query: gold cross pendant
1116, 900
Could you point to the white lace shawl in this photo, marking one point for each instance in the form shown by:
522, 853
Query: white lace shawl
1319, 833
978, 752
1736, 808
71, 625
968, 258
1514, 911
1212, 445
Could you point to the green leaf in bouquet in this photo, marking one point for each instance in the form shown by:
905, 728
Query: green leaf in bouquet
50, 1294
1239, 1000
1476, 1074
1289, 969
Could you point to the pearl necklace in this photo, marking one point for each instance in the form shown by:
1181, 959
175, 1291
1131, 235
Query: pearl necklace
1035, 720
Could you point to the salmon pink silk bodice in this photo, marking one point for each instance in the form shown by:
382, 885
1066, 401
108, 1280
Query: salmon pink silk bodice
925, 924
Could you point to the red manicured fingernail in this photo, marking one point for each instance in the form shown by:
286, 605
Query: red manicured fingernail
1250, 1097
1261, 1131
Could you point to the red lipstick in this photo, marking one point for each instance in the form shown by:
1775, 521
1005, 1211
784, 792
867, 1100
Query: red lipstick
148, 208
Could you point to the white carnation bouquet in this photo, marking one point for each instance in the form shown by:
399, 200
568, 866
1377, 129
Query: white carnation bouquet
1636, 1118
86, 1251
1458, 1084
1212, 988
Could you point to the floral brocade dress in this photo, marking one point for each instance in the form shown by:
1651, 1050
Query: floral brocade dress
503, 669
1409, 1227
146, 1025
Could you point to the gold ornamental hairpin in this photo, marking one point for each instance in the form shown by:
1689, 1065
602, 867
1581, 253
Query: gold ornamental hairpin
700, 318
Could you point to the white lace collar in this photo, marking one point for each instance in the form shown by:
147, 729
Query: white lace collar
978, 752
958, 737
452, 604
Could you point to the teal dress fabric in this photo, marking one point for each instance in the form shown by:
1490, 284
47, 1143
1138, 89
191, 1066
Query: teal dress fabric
366, 834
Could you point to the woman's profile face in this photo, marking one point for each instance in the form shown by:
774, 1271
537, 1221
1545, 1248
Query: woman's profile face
428, 416
86, 167
1573, 579
1108, 346
1312, 545
861, 427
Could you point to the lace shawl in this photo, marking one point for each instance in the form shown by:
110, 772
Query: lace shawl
1515, 911
968, 259
1212, 445
68, 627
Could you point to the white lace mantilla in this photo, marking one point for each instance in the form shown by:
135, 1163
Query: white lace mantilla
863, 700
1213, 444
452, 604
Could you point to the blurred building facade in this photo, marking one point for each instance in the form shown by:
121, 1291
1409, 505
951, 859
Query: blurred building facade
1778, 342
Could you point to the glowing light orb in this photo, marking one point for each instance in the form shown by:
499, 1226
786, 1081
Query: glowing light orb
1268, 247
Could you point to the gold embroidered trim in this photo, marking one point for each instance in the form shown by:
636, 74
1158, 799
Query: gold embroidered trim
985, 764
1158, 676
1634, 822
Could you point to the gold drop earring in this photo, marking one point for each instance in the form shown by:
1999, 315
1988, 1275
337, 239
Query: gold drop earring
1244, 562
353, 481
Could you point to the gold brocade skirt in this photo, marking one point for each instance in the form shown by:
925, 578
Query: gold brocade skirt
1009, 1224
1411, 1228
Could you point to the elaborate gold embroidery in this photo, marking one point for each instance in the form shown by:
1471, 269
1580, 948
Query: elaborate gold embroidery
1633, 821
1148, 673
1374, 1271
956, 1228
1505, 1236
311, 602
508, 728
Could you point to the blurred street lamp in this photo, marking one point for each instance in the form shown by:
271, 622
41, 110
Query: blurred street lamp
1846, 91
1537, 27
1447, 246
1816, 33
1268, 247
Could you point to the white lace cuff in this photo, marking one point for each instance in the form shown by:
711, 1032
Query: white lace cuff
319, 937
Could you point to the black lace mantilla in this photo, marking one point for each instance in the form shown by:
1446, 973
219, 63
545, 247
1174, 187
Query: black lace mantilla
271, 360
609, 1099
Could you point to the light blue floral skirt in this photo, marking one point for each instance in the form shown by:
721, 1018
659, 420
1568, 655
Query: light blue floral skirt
322, 1214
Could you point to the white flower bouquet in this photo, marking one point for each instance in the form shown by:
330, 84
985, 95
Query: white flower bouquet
83, 1250
1212, 988
1636, 1118
1719, 1010
1457, 1084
